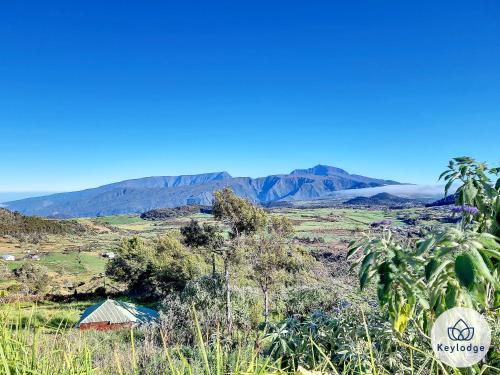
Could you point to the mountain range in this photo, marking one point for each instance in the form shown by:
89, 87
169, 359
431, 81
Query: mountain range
143, 194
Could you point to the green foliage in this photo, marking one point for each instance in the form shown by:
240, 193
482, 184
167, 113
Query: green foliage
305, 299
174, 265
272, 256
243, 219
132, 266
347, 343
396, 269
450, 267
464, 269
33, 278
32, 227
154, 268
476, 189
209, 237
343, 341
206, 235
240, 215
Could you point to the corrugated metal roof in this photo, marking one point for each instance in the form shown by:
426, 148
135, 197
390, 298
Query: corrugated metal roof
118, 312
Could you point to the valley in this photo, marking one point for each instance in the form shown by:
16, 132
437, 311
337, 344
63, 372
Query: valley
76, 263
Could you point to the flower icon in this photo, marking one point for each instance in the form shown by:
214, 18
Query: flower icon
461, 331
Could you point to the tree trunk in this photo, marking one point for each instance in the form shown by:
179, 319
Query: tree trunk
266, 305
213, 265
229, 318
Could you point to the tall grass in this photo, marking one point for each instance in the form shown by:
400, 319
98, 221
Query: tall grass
25, 349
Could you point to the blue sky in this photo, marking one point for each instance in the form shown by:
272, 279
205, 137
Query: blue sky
95, 92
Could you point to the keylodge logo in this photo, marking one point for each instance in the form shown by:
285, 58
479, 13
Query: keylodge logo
461, 331
460, 337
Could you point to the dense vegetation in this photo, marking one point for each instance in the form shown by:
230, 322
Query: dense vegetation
16, 224
242, 292
181, 211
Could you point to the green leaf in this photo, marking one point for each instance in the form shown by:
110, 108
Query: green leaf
383, 293
444, 251
487, 261
479, 294
365, 264
451, 296
464, 269
443, 174
430, 268
423, 246
447, 187
481, 267
354, 247
492, 253
363, 279
470, 193
352, 251
435, 273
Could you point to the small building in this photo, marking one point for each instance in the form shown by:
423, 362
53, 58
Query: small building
111, 315
7, 257
109, 255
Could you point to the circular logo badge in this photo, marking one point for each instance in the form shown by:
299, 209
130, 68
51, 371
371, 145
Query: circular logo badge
460, 337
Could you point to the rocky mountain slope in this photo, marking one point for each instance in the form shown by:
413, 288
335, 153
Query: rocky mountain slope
140, 195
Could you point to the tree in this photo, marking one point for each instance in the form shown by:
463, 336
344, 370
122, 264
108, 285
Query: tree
243, 219
132, 266
174, 266
208, 236
271, 256
34, 279
154, 268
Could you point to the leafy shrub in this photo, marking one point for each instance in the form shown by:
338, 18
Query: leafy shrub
157, 268
33, 278
304, 300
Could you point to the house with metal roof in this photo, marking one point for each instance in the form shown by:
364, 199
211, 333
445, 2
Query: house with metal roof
111, 314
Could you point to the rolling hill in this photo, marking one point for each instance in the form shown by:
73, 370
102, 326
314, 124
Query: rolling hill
143, 194
380, 199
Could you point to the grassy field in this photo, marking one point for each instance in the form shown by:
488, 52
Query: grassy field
75, 260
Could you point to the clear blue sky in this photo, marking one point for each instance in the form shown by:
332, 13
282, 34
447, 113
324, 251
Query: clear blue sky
93, 92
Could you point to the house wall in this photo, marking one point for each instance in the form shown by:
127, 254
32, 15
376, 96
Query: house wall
105, 326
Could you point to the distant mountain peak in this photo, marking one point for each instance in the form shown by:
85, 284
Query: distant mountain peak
222, 175
321, 170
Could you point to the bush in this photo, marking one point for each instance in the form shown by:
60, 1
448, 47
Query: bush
205, 295
303, 300
34, 279
155, 268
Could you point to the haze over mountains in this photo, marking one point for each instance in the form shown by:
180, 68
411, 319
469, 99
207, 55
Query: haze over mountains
143, 194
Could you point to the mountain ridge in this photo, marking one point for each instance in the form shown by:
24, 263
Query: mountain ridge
382, 199
143, 194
